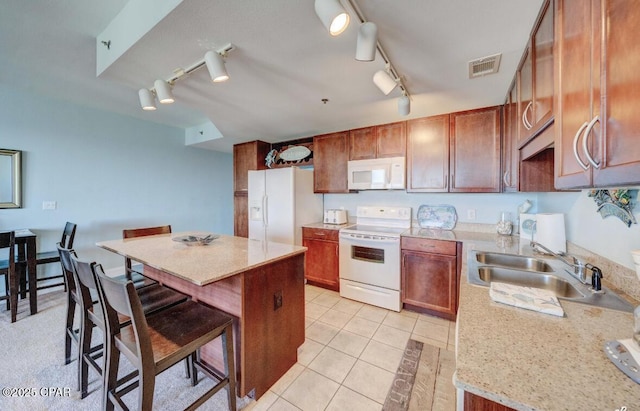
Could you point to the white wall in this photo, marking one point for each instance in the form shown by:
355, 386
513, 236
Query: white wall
108, 172
608, 237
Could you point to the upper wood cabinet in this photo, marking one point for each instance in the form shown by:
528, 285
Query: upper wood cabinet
428, 154
386, 140
535, 78
330, 156
247, 156
474, 164
597, 101
458, 152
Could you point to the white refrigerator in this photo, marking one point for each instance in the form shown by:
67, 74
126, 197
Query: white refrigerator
281, 201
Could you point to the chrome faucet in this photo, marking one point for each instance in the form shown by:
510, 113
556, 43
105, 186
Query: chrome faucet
579, 268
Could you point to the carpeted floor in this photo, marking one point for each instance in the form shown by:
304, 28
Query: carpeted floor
32, 358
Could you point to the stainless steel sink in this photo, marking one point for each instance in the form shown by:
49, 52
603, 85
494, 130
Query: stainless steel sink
538, 272
517, 262
560, 287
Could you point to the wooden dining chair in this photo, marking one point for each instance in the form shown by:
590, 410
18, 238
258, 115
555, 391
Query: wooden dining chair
155, 342
142, 232
153, 298
8, 269
48, 257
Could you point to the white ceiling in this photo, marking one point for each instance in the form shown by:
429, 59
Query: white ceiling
284, 64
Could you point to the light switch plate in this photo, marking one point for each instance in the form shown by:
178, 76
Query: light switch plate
49, 205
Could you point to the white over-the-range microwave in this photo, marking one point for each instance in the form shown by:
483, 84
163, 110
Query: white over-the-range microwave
377, 174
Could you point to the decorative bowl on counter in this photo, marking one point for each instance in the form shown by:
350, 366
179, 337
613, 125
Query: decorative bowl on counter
441, 216
191, 240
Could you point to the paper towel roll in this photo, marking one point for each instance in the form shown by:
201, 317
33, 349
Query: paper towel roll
550, 231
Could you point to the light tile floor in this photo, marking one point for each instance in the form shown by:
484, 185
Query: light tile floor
350, 355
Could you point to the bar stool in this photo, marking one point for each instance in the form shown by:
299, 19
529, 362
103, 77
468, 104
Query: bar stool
187, 326
153, 298
73, 301
141, 232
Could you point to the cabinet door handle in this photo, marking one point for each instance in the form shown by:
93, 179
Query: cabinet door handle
575, 146
585, 141
504, 178
319, 233
525, 121
446, 181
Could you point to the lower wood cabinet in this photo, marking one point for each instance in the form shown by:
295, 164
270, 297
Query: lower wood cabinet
431, 276
321, 262
241, 215
474, 402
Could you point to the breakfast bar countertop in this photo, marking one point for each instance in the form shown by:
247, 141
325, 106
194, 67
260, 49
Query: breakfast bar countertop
532, 361
223, 257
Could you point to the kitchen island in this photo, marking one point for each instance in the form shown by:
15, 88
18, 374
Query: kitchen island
527, 360
260, 283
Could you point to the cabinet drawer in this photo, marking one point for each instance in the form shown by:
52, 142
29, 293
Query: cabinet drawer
320, 234
429, 246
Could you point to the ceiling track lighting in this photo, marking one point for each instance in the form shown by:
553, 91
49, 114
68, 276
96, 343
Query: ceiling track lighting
332, 15
335, 19
213, 60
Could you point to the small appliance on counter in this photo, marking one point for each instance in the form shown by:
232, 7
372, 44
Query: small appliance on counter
335, 216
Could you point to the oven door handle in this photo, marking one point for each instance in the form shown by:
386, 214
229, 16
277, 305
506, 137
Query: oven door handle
370, 241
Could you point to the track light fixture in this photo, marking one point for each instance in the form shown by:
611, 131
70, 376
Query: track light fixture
215, 65
332, 15
163, 91
214, 60
147, 99
385, 82
367, 42
404, 105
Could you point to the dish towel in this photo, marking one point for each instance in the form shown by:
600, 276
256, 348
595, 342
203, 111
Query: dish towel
529, 298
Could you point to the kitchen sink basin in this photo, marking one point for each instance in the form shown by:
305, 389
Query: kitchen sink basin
517, 262
538, 272
549, 282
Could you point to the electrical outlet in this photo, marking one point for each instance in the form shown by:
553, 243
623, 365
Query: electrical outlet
48, 205
471, 214
277, 300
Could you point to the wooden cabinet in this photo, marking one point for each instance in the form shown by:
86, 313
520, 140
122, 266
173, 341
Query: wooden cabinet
330, 156
431, 275
428, 154
510, 153
535, 78
458, 152
598, 126
246, 156
474, 159
321, 260
385, 140
474, 402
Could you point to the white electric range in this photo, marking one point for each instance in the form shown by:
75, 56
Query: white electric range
370, 256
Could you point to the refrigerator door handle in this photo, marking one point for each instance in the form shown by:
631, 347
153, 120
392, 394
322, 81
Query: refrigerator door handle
265, 214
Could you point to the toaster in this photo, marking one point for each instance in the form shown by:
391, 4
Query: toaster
335, 216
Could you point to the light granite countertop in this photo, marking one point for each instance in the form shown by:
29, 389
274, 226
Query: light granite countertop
533, 361
201, 265
327, 226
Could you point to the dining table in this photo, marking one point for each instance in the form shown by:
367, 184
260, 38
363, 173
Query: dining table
259, 283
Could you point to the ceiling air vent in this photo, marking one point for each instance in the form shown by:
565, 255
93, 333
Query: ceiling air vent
485, 65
